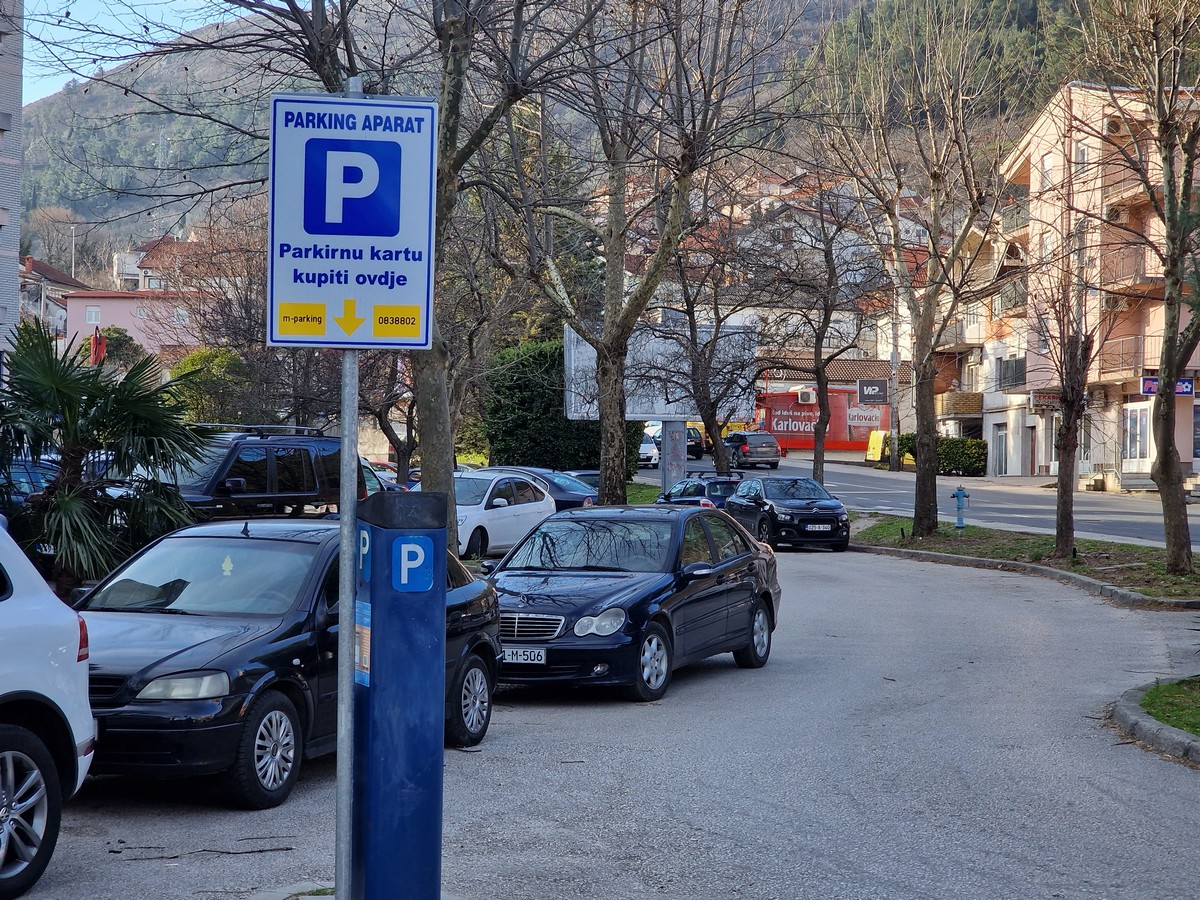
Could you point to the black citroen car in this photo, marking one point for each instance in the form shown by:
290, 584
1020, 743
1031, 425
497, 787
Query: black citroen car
626, 595
781, 510
214, 650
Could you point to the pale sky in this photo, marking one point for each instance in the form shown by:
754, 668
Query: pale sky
43, 76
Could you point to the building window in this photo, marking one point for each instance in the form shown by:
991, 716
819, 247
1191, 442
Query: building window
1135, 433
1045, 246
1046, 172
93, 315
180, 316
1081, 158
142, 312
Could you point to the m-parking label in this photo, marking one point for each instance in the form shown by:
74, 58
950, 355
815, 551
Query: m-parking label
351, 221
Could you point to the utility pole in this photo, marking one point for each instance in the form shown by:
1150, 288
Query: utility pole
72, 251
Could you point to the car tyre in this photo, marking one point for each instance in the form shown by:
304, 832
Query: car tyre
477, 544
764, 533
758, 649
267, 763
653, 673
840, 546
471, 704
33, 810
773, 465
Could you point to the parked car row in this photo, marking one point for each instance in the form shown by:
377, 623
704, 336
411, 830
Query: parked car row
213, 650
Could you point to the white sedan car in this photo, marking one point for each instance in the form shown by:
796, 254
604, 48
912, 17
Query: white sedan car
47, 734
648, 452
495, 510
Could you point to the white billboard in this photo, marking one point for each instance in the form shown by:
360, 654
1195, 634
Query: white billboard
658, 372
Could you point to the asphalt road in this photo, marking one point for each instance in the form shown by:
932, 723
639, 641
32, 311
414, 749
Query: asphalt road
920, 731
1013, 503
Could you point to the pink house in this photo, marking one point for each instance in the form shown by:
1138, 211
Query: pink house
152, 318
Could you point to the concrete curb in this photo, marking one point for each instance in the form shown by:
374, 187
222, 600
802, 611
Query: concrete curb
286, 893
303, 891
1129, 716
1117, 595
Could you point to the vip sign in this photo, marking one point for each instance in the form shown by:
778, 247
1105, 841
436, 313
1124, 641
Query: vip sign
351, 221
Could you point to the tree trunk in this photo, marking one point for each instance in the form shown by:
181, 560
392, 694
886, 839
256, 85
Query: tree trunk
720, 458
823, 417
925, 511
610, 382
1067, 442
1168, 477
429, 368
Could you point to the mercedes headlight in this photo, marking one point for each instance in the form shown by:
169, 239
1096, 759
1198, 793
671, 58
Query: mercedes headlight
608, 622
197, 686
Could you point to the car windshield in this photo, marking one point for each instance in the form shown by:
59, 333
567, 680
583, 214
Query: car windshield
210, 577
595, 544
647, 440
470, 491
795, 489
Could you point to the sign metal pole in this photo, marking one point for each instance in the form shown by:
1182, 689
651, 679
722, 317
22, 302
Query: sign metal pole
348, 513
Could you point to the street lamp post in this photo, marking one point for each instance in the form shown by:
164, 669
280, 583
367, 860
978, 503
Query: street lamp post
72, 251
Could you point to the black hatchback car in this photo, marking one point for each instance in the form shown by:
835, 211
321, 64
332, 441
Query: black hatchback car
214, 650
625, 595
781, 510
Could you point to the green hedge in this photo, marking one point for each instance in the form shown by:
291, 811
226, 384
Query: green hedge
524, 419
955, 456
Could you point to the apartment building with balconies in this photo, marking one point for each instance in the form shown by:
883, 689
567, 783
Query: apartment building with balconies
1091, 241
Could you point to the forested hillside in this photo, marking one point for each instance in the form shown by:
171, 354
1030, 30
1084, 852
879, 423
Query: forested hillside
115, 160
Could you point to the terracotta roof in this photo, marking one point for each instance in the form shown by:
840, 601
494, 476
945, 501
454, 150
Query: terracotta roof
31, 266
119, 295
839, 370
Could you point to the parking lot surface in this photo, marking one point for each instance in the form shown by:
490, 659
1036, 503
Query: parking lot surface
920, 731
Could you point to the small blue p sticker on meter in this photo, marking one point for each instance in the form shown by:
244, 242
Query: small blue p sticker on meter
412, 563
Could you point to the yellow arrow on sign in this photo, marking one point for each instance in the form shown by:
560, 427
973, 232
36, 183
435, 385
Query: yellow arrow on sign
348, 321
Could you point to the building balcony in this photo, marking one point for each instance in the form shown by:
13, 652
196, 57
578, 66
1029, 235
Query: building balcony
1135, 356
1121, 357
1132, 269
961, 334
958, 405
1010, 300
1014, 218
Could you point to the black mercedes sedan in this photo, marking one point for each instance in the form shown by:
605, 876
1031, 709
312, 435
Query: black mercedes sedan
782, 510
626, 595
214, 650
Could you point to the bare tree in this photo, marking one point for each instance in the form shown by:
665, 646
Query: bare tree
663, 91
479, 57
1148, 51
812, 255
910, 113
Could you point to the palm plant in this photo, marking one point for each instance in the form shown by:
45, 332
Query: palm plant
56, 403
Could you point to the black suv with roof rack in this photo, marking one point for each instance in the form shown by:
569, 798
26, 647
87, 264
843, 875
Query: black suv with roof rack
268, 470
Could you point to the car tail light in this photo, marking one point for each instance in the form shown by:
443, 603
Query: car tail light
745, 448
707, 504
83, 639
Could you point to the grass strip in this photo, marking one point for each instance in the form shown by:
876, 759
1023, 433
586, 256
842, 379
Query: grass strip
1176, 704
1129, 566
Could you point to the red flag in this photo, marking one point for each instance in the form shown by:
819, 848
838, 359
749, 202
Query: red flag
99, 346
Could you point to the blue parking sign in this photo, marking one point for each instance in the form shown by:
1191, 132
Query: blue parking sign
352, 187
